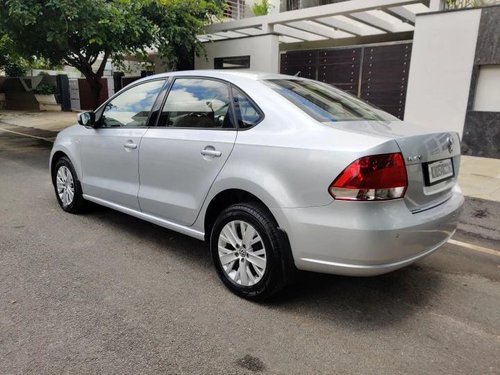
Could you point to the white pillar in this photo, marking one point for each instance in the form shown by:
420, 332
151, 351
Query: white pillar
436, 5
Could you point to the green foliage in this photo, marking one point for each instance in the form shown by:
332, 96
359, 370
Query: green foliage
10, 61
14, 64
5, 50
82, 33
15, 68
77, 31
178, 23
262, 8
44, 89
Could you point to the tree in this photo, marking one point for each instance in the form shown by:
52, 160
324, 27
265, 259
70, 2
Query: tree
10, 62
87, 33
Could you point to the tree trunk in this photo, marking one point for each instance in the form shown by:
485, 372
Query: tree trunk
95, 90
84, 65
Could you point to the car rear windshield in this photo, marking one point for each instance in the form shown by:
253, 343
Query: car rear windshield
326, 103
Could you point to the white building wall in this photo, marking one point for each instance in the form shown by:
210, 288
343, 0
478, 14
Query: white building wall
441, 67
487, 97
263, 52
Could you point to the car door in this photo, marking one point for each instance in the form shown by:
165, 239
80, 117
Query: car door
110, 151
180, 158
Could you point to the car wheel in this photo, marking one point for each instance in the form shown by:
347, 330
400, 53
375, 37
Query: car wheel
67, 186
247, 251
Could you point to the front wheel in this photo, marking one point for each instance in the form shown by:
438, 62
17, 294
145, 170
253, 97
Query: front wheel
247, 251
67, 186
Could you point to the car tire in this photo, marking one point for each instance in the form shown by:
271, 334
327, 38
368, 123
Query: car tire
67, 186
255, 268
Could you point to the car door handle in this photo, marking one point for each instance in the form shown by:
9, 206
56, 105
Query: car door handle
130, 145
210, 152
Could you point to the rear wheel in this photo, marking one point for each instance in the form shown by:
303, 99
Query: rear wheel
67, 186
247, 251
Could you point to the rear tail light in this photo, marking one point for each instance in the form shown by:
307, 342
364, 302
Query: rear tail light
372, 178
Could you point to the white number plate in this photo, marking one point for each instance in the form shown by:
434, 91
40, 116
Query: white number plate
440, 170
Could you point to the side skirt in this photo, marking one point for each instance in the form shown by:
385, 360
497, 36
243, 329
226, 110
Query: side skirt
152, 219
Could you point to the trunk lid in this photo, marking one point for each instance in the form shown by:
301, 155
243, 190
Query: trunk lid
432, 164
432, 159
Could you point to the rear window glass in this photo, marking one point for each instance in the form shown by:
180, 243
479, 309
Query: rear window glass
326, 103
247, 113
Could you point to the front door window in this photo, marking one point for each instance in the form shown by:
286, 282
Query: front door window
131, 108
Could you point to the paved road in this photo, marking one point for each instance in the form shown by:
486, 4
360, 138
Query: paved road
107, 293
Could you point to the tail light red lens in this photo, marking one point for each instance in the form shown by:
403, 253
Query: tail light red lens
371, 178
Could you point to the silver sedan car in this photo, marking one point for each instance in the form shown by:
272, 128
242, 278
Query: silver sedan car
276, 173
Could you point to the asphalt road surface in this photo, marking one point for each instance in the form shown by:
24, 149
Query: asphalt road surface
107, 293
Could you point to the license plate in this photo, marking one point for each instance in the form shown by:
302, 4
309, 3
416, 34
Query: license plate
440, 170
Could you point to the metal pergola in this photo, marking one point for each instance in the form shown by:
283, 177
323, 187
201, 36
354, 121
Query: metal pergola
348, 19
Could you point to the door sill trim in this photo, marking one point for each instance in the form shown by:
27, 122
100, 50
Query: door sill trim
150, 218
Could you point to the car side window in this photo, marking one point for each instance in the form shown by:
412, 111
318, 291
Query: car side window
197, 103
247, 113
131, 108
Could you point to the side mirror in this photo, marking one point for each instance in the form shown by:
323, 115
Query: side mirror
86, 118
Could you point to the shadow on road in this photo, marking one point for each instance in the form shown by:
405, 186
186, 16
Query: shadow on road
365, 303
371, 302
32, 152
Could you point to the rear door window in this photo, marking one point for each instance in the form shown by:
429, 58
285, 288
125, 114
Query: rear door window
197, 103
247, 113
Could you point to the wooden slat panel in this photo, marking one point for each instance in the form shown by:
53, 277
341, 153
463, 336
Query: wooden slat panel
340, 68
304, 62
385, 76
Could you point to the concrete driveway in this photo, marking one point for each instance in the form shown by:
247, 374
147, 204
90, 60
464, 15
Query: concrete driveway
106, 293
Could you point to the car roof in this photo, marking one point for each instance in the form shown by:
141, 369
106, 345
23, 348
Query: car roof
225, 74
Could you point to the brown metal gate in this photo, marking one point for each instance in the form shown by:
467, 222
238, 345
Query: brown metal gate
377, 74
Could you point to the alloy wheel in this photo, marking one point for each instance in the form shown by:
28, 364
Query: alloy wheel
65, 185
242, 253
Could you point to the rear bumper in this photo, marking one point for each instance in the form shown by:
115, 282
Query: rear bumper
367, 238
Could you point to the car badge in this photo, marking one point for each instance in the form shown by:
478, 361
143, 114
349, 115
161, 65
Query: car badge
415, 158
450, 144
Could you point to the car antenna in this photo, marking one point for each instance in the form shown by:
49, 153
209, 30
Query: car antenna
297, 74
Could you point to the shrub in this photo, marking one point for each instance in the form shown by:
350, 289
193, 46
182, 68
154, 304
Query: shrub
15, 69
262, 8
44, 89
